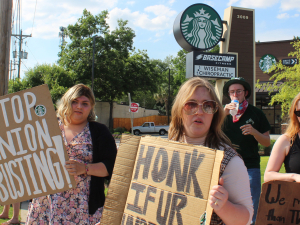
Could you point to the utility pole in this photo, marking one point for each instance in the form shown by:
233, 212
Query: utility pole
5, 31
94, 37
63, 35
20, 37
169, 97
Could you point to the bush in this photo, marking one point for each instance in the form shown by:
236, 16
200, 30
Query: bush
116, 135
266, 150
120, 130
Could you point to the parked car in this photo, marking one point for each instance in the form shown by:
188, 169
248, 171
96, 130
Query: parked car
149, 127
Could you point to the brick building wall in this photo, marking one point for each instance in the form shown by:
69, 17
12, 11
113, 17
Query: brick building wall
279, 49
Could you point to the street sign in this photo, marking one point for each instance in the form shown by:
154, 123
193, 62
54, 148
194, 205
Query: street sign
211, 65
134, 107
289, 62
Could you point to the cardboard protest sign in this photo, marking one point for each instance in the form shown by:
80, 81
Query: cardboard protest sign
32, 152
156, 181
279, 203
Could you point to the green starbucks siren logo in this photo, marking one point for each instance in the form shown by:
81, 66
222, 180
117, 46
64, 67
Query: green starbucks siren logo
266, 62
200, 27
40, 110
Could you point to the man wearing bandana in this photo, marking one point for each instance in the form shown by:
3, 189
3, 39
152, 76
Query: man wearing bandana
245, 130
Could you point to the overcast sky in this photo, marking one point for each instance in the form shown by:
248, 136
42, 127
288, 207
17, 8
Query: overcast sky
152, 22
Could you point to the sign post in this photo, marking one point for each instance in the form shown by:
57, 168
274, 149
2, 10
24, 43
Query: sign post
198, 29
131, 114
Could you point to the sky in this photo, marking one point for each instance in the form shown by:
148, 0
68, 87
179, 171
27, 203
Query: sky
152, 22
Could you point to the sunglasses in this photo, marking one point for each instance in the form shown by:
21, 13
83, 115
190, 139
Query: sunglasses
297, 113
209, 107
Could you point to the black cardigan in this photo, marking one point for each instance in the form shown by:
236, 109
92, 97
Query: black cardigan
105, 151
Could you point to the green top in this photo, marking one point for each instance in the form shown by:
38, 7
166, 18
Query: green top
247, 144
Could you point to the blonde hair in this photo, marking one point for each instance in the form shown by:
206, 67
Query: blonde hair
294, 126
64, 110
215, 137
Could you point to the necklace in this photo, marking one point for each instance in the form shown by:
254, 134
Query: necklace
193, 141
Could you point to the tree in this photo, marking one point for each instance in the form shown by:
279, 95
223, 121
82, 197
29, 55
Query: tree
286, 81
56, 77
118, 69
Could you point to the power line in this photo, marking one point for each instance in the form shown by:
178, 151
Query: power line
34, 16
32, 54
24, 65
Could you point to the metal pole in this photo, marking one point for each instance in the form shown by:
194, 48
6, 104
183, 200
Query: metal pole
94, 37
169, 98
130, 113
20, 48
10, 69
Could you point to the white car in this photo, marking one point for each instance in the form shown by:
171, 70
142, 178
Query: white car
149, 127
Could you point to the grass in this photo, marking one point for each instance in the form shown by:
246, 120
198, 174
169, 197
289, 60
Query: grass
263, 164
10, 214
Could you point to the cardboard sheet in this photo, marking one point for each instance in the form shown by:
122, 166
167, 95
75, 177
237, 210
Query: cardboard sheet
156, 181
32, 152
279, 203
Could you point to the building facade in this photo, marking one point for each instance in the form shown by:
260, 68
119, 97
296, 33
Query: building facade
267, 53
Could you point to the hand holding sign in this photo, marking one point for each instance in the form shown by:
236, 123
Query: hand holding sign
218, 196
75, 168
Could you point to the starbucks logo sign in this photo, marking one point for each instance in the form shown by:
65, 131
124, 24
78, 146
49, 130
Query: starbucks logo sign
199, 27
266, 62
40, 110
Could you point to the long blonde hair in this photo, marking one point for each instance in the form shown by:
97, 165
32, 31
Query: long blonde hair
64, 110
294, 126
215, 137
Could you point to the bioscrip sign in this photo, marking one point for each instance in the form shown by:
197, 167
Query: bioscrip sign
165, 183
32, 152
211, 65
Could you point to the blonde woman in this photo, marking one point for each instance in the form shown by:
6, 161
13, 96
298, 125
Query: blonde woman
197, 117
287, 150
92, 152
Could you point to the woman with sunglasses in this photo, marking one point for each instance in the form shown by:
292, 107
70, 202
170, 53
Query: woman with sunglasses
287, 150
197, 117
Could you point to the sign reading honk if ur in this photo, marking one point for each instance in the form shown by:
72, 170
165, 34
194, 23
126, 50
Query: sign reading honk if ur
32, 152
156, 181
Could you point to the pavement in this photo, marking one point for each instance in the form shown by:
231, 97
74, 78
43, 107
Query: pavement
23, 211
24, 205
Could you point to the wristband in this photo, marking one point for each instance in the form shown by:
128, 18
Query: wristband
86, 168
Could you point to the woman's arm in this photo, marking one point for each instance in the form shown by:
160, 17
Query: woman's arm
280, 150
94, 169
233, 194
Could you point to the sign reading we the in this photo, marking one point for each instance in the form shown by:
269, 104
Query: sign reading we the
32, 152
170, 183
279, 203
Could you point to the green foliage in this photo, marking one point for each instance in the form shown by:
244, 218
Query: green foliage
120, 130
286, 81
56, 77
266, 150
118, 68
215, 49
